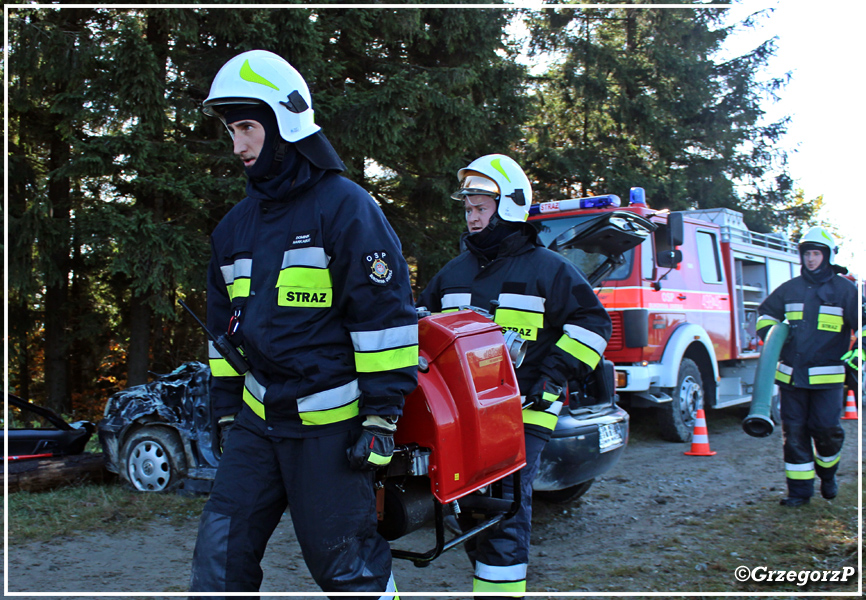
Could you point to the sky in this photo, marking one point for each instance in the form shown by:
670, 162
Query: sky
820, 43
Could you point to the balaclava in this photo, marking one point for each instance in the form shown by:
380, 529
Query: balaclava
824, 272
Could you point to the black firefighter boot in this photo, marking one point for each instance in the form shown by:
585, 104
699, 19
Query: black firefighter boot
829, 487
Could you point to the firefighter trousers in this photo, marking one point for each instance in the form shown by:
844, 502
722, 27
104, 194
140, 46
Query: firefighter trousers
811, 417
333, 510
501, 554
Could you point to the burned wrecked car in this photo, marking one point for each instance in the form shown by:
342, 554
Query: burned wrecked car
159, 436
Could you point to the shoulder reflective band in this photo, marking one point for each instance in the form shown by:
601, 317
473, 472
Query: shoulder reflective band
452, 302
794, 312
800, 471
783, 373
827, 461
542, 418
304, 279
219, 366
505, 581
386, 349
765, 321
330, 406
830, 318
582, 344
521, 313
237, 277
824, 375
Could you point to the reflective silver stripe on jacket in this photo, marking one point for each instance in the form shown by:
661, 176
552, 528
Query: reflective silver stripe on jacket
456, 300
306, 257
333, 398
241, 268
586, 337
831, 310
385, 339
522, 302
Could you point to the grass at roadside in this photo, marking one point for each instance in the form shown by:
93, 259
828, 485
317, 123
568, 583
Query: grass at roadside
42, 516
821, 536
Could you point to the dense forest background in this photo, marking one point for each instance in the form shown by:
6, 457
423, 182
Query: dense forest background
116, 178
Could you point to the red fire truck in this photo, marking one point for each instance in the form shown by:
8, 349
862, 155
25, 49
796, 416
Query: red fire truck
683, 302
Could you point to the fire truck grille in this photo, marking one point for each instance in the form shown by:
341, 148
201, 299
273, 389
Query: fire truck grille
616, 340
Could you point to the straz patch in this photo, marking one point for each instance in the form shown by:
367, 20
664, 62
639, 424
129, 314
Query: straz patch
527, 333
304, 297
377, 268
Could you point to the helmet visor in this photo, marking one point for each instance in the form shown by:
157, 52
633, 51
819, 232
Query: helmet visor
474, 185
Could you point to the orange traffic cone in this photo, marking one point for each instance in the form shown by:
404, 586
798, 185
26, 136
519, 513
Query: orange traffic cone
700, 439
850, 407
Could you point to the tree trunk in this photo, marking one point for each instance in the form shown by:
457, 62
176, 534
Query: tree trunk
57, 289
138, 356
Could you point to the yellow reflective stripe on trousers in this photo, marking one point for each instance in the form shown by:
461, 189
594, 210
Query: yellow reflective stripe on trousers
330, 406
386, 349
219, 366
580, 351
784, 373
827, 461
800, 471
505, 581
825, 375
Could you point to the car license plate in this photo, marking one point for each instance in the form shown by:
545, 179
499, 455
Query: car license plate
609, 437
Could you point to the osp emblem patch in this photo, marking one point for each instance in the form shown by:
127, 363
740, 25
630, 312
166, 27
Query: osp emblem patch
379, 271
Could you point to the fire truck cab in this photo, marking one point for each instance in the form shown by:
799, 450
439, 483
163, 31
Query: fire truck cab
683, 302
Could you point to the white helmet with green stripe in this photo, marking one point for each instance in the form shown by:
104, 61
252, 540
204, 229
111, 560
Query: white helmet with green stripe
259, 76
499, 176
821, 237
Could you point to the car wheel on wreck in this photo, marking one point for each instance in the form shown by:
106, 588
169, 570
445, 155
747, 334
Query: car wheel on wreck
153, 459
565, 495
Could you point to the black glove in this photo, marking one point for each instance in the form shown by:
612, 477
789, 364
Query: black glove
375, 446
224, 425
542, 395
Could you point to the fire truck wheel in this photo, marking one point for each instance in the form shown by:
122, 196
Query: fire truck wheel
153, 459
676, 418
562, 496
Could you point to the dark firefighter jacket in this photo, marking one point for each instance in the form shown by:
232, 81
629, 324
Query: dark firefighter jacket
822, 317
540, 295
326, 319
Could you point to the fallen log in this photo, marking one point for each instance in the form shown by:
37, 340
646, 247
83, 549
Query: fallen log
42, 474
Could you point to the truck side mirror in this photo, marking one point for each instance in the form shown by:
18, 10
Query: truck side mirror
675, 229
668, 237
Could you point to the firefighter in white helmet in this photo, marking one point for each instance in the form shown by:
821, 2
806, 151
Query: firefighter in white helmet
543, 297
821, 308
308, 279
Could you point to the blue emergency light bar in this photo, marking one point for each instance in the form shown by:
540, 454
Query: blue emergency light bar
575, 204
